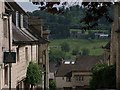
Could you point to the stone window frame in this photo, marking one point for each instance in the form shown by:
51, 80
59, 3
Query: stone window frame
79, 77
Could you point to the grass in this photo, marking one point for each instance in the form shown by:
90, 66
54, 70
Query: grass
94, 46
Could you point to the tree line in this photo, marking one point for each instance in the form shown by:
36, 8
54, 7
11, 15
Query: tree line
60, 24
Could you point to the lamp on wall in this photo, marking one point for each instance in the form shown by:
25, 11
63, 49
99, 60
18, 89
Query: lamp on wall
5, 16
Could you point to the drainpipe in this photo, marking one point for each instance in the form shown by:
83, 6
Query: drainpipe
9, 40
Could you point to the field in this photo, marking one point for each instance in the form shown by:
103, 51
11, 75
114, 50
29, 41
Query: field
94, 46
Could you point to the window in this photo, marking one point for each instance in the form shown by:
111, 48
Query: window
17, 19
68, 79
14, 18
21, 20
25, 21
37, 53
26, 54
78, 88
5, 28
17, 54
6, 75
19, 86
78, 78
67, 88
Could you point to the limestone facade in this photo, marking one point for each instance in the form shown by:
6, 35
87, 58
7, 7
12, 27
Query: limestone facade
27, 46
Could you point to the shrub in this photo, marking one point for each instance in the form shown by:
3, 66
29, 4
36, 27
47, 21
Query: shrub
103, 76
85, 51
65, 47
56, 55
34, 74
75, 51
52, 85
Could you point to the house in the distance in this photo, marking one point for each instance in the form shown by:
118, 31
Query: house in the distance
101, 35
76, 75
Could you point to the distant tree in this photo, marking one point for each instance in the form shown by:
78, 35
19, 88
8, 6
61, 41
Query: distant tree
85, 51
94, 11
75, 51
65, 47
91, 35
56, 56
52, 85
57, 24
34, 74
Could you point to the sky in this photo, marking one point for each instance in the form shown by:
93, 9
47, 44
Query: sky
28, 6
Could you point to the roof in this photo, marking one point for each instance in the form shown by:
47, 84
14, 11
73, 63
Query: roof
37, 34
16, 7
52, 67
8, 7
26, 36
64, 69
35, 28
20, 37
85, 63
82, 64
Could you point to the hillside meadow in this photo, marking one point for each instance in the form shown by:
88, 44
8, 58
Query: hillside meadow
94, 46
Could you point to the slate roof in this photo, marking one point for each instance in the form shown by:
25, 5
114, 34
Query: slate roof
20, 37
16, 7
82, 64
37, 34
35, 28
85, 63
8, 7
26, 36
64, 69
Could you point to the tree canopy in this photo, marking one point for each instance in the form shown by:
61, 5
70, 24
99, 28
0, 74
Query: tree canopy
94, 11
60, 24
65, 47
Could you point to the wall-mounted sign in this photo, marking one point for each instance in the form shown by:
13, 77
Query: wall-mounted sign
9, 57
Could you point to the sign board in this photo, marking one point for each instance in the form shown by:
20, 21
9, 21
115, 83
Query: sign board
9, 57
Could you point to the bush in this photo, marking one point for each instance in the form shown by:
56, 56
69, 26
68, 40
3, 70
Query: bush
34, 74
103, 76
65, 47
75, 51
85, 51
52, 85
56, 55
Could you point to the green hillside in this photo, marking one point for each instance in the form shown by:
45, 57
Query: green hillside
94, 46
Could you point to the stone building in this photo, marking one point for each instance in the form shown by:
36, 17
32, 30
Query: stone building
115, 43
76, 75
36, 27
27, 45
107, 53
